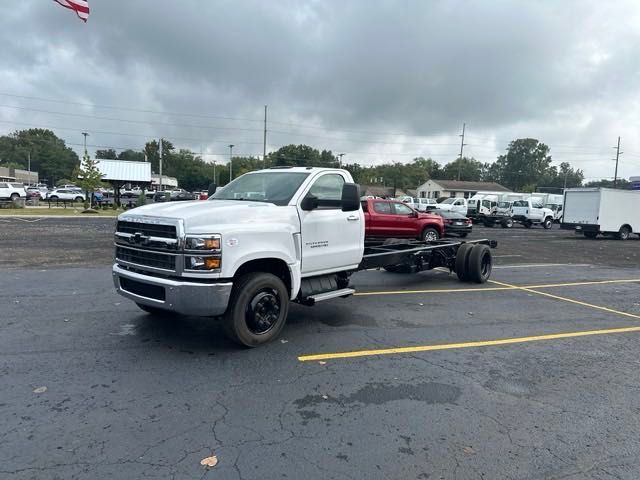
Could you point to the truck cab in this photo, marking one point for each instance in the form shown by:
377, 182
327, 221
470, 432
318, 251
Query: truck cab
454, 204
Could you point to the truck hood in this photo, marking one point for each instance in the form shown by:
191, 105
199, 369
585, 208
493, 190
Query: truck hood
217, 216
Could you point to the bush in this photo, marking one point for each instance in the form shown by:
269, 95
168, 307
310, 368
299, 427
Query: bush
141, 201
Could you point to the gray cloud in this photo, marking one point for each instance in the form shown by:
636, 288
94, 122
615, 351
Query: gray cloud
564, 72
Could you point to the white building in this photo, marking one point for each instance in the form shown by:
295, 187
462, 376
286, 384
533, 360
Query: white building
167, 182
456, 188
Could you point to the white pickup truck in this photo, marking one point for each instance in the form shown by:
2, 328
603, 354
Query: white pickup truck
266, 238
531, 212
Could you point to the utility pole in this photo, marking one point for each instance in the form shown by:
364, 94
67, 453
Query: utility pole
462, 144
340, 161
230, 162
264, 143
160, 155
618, 153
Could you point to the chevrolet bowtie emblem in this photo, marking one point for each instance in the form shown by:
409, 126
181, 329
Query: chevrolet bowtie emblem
139, 239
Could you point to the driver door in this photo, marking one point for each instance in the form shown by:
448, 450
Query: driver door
332, 240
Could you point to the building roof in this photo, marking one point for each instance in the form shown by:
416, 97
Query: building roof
125, 170
462, 186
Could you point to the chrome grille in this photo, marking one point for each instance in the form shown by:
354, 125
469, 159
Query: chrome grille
147, 229
146, 258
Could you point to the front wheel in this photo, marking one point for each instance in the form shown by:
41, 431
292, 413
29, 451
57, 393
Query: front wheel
430, 235
14, 197
257, 309
548, 223
79, 199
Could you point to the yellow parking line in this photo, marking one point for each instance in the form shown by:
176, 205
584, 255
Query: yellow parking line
442, 290
494, 289
578, 284
565, 299
451, 346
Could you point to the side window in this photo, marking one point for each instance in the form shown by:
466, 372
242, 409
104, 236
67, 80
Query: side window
402, 209
382, 207
328, 189
3, 185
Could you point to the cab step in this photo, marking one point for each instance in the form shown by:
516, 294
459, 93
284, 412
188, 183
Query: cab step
320, 297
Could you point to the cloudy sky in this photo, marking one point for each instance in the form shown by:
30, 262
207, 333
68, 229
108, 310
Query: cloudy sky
377, 80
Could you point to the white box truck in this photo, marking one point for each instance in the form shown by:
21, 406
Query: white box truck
593, 211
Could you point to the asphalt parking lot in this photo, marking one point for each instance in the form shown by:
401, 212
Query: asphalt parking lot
533, 375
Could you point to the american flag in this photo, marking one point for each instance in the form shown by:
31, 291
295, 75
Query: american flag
81, 7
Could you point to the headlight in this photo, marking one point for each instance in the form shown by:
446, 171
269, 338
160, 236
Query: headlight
203, 242
202, 263
202, 253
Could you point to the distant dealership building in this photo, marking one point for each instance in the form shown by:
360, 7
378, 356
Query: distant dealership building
16, 175
457, 188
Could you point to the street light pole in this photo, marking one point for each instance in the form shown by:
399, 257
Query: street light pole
230, 162
340, 161
85, 135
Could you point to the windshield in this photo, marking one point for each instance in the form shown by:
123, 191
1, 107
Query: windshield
450, 200
520, 203
270, 187
504, 204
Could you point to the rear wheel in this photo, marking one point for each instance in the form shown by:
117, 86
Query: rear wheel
257, 309
480, 264
430, 235
624, 233
508, 223
53, 197
548, 223
462, 260
591, 234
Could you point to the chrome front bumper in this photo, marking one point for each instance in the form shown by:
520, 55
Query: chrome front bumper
187, 298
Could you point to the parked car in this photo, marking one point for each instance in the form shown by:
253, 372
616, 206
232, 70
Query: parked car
454, 204
69, 187
12, 191
420, 204
66, 194
34, 192
455, 223
393, 219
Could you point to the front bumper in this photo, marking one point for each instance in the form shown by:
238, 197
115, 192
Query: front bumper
184, 297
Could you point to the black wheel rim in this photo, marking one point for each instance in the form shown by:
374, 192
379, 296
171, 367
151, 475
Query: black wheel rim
263, 311
485, 266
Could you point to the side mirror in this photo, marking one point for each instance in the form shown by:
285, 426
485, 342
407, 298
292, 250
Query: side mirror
212, 188
310, 202
413, 214
350, 197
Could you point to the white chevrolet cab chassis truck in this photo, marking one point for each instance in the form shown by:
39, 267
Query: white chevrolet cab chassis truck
267, 238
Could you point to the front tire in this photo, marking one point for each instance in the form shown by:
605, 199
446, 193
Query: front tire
430, 235
79, 199
257, 309
507, 223
548, 223
14, 197
462, 261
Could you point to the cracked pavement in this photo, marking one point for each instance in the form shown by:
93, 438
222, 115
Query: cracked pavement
132, 396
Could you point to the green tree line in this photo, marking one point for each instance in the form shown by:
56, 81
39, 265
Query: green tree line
525, 166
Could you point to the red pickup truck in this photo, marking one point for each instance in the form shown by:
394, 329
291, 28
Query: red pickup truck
391, 219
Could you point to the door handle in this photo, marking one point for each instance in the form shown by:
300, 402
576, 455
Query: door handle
353, 218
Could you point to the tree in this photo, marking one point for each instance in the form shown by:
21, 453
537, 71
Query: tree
50, 156
132, 155
606, 183
470, 170
89, 177
526, 161
301, 156
109, 154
